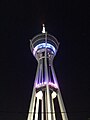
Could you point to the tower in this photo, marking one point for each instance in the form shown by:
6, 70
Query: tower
46, 89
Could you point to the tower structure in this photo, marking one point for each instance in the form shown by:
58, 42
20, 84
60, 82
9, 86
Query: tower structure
46, 89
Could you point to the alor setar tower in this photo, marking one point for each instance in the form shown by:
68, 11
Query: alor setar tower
46, 101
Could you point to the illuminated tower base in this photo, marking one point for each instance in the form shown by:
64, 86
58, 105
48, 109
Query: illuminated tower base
46, 89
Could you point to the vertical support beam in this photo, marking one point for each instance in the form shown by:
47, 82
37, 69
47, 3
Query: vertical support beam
42, 112
45, 62
46, 111
36, 111
40, 72
32, 105
47, 80
62, 108
54, 76
61, 104
49, 103
53, 110
37, 74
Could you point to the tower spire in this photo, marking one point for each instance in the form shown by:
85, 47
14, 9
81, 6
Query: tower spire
43, 30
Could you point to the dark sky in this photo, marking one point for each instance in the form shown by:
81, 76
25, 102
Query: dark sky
68, 21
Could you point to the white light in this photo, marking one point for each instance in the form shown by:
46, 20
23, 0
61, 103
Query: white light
43, 45
54, 94
45, 83
39, 95
43, 30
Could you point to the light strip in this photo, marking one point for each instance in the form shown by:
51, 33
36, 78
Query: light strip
42, 84
43, 45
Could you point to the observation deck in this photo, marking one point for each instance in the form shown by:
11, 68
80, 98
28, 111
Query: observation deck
44, 41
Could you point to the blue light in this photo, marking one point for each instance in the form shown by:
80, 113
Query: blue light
44, 45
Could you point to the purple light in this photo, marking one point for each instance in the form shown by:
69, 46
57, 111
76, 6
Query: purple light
53, 84
44, 83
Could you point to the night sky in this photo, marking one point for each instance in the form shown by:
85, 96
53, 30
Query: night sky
68, 21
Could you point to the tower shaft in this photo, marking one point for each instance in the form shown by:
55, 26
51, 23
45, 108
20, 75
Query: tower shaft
46, 91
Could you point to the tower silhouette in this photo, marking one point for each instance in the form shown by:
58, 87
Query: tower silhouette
46, 96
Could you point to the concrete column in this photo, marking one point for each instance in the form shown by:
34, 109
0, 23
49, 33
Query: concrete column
42, 112
36, 111
32, 104
53, 110
62, 108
